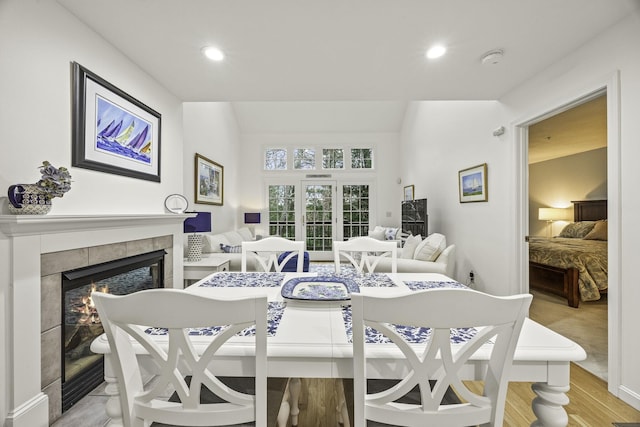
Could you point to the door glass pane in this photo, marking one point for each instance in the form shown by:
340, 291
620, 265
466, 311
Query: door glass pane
319, 217
282, 211
355, 210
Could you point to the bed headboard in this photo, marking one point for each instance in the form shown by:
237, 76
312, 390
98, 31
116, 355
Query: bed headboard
589, 210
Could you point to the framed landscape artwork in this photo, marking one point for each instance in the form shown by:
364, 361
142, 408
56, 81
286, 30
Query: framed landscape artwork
112, 131
209, 181
472, 184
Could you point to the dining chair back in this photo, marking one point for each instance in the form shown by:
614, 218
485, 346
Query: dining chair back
455, 324
265, 252
364, 253
183, 365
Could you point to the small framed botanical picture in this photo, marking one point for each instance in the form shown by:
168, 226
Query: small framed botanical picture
408, 192
472, 184
209, 181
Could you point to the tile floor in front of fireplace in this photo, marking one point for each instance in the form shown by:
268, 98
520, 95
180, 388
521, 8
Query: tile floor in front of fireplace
88, 412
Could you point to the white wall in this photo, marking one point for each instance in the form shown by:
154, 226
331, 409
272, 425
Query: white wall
38, 42
555, 183
440, 138
211, 130
585, 70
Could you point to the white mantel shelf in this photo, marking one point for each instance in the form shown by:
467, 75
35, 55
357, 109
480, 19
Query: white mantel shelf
24, 225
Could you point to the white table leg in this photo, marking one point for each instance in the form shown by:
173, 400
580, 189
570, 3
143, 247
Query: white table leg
549, 404
112, 408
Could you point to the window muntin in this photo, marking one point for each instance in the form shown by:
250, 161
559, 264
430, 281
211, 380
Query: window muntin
282, 211
304, 158
355, 210
332, 158
361, 158
275, 159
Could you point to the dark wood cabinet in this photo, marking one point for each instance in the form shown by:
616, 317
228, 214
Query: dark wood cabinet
414, 217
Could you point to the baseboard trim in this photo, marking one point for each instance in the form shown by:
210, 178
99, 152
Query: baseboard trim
629, 396
32, 413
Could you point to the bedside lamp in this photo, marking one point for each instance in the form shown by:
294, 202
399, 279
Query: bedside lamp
201, 223
550, 215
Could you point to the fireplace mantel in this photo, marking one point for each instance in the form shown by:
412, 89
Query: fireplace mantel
25, 225
23, 241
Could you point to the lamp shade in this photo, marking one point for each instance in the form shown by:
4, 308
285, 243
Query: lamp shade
553, 214
201, 223
252, 218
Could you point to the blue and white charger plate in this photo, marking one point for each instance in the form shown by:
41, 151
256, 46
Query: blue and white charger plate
319, 288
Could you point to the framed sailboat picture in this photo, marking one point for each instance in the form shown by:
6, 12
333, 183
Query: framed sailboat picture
112, 131
472, 184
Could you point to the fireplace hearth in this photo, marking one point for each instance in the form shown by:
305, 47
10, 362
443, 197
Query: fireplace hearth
82, 370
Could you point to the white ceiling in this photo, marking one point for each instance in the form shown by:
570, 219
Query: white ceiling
345, 50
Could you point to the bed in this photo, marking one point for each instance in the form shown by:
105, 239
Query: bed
573, 267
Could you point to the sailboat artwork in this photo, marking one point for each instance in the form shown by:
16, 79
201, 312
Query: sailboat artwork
122, 133
472, 184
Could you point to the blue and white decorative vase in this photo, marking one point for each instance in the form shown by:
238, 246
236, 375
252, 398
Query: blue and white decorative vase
28, 199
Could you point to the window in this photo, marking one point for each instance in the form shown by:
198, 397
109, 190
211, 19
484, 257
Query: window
361, 158
332, 158
304, 158
355, 210
282, 211
275, 159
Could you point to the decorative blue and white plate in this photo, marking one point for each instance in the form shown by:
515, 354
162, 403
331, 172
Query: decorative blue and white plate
319, 288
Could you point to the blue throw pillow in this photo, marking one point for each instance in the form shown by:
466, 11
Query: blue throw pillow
231, 249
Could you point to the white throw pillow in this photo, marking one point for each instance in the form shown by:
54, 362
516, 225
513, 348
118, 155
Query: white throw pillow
212, 242
430, 248
246, 234
377, 234
410, 245
233, 237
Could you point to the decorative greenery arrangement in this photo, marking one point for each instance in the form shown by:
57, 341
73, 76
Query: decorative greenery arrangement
55, 181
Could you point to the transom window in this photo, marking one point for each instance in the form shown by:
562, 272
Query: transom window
275, 159
279, 159
304, 158
332, 158
361, 158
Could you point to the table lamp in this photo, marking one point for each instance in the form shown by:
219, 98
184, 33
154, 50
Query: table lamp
252, 218
550, 215
201, 223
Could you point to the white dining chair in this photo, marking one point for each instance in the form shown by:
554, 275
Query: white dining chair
183, 367
265, 252
437, 366
364, 253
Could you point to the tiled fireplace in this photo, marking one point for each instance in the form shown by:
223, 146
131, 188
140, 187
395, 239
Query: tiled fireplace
40, 250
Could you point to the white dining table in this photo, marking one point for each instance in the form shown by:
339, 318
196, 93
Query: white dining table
309, 339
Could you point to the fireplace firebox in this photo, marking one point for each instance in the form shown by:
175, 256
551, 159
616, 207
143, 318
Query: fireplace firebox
83, 370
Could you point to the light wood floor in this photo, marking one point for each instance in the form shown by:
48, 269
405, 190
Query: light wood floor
591, 405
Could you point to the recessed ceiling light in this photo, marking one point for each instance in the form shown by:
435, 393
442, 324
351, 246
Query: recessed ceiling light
213, 53
436, 51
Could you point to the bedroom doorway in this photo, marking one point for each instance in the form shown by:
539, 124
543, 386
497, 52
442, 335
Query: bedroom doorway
567, 154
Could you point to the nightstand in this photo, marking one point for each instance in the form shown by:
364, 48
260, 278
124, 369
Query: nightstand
194, 271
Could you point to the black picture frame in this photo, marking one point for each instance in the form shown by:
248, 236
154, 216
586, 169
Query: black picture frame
105, 137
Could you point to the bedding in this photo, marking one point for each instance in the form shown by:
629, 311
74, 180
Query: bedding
587, 255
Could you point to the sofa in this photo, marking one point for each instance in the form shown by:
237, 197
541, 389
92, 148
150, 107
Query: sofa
227, 246
429, 255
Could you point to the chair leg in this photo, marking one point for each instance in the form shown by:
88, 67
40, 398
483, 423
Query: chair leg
290, 403
342, 413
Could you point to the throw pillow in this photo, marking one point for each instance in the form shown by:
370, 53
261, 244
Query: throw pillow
231, 249
430, 248
577, 230
212, 242
245, 233
377, 234
390, 233
233, 237
410, 246
599, 232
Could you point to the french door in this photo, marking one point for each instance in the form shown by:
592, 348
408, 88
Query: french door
319, 212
